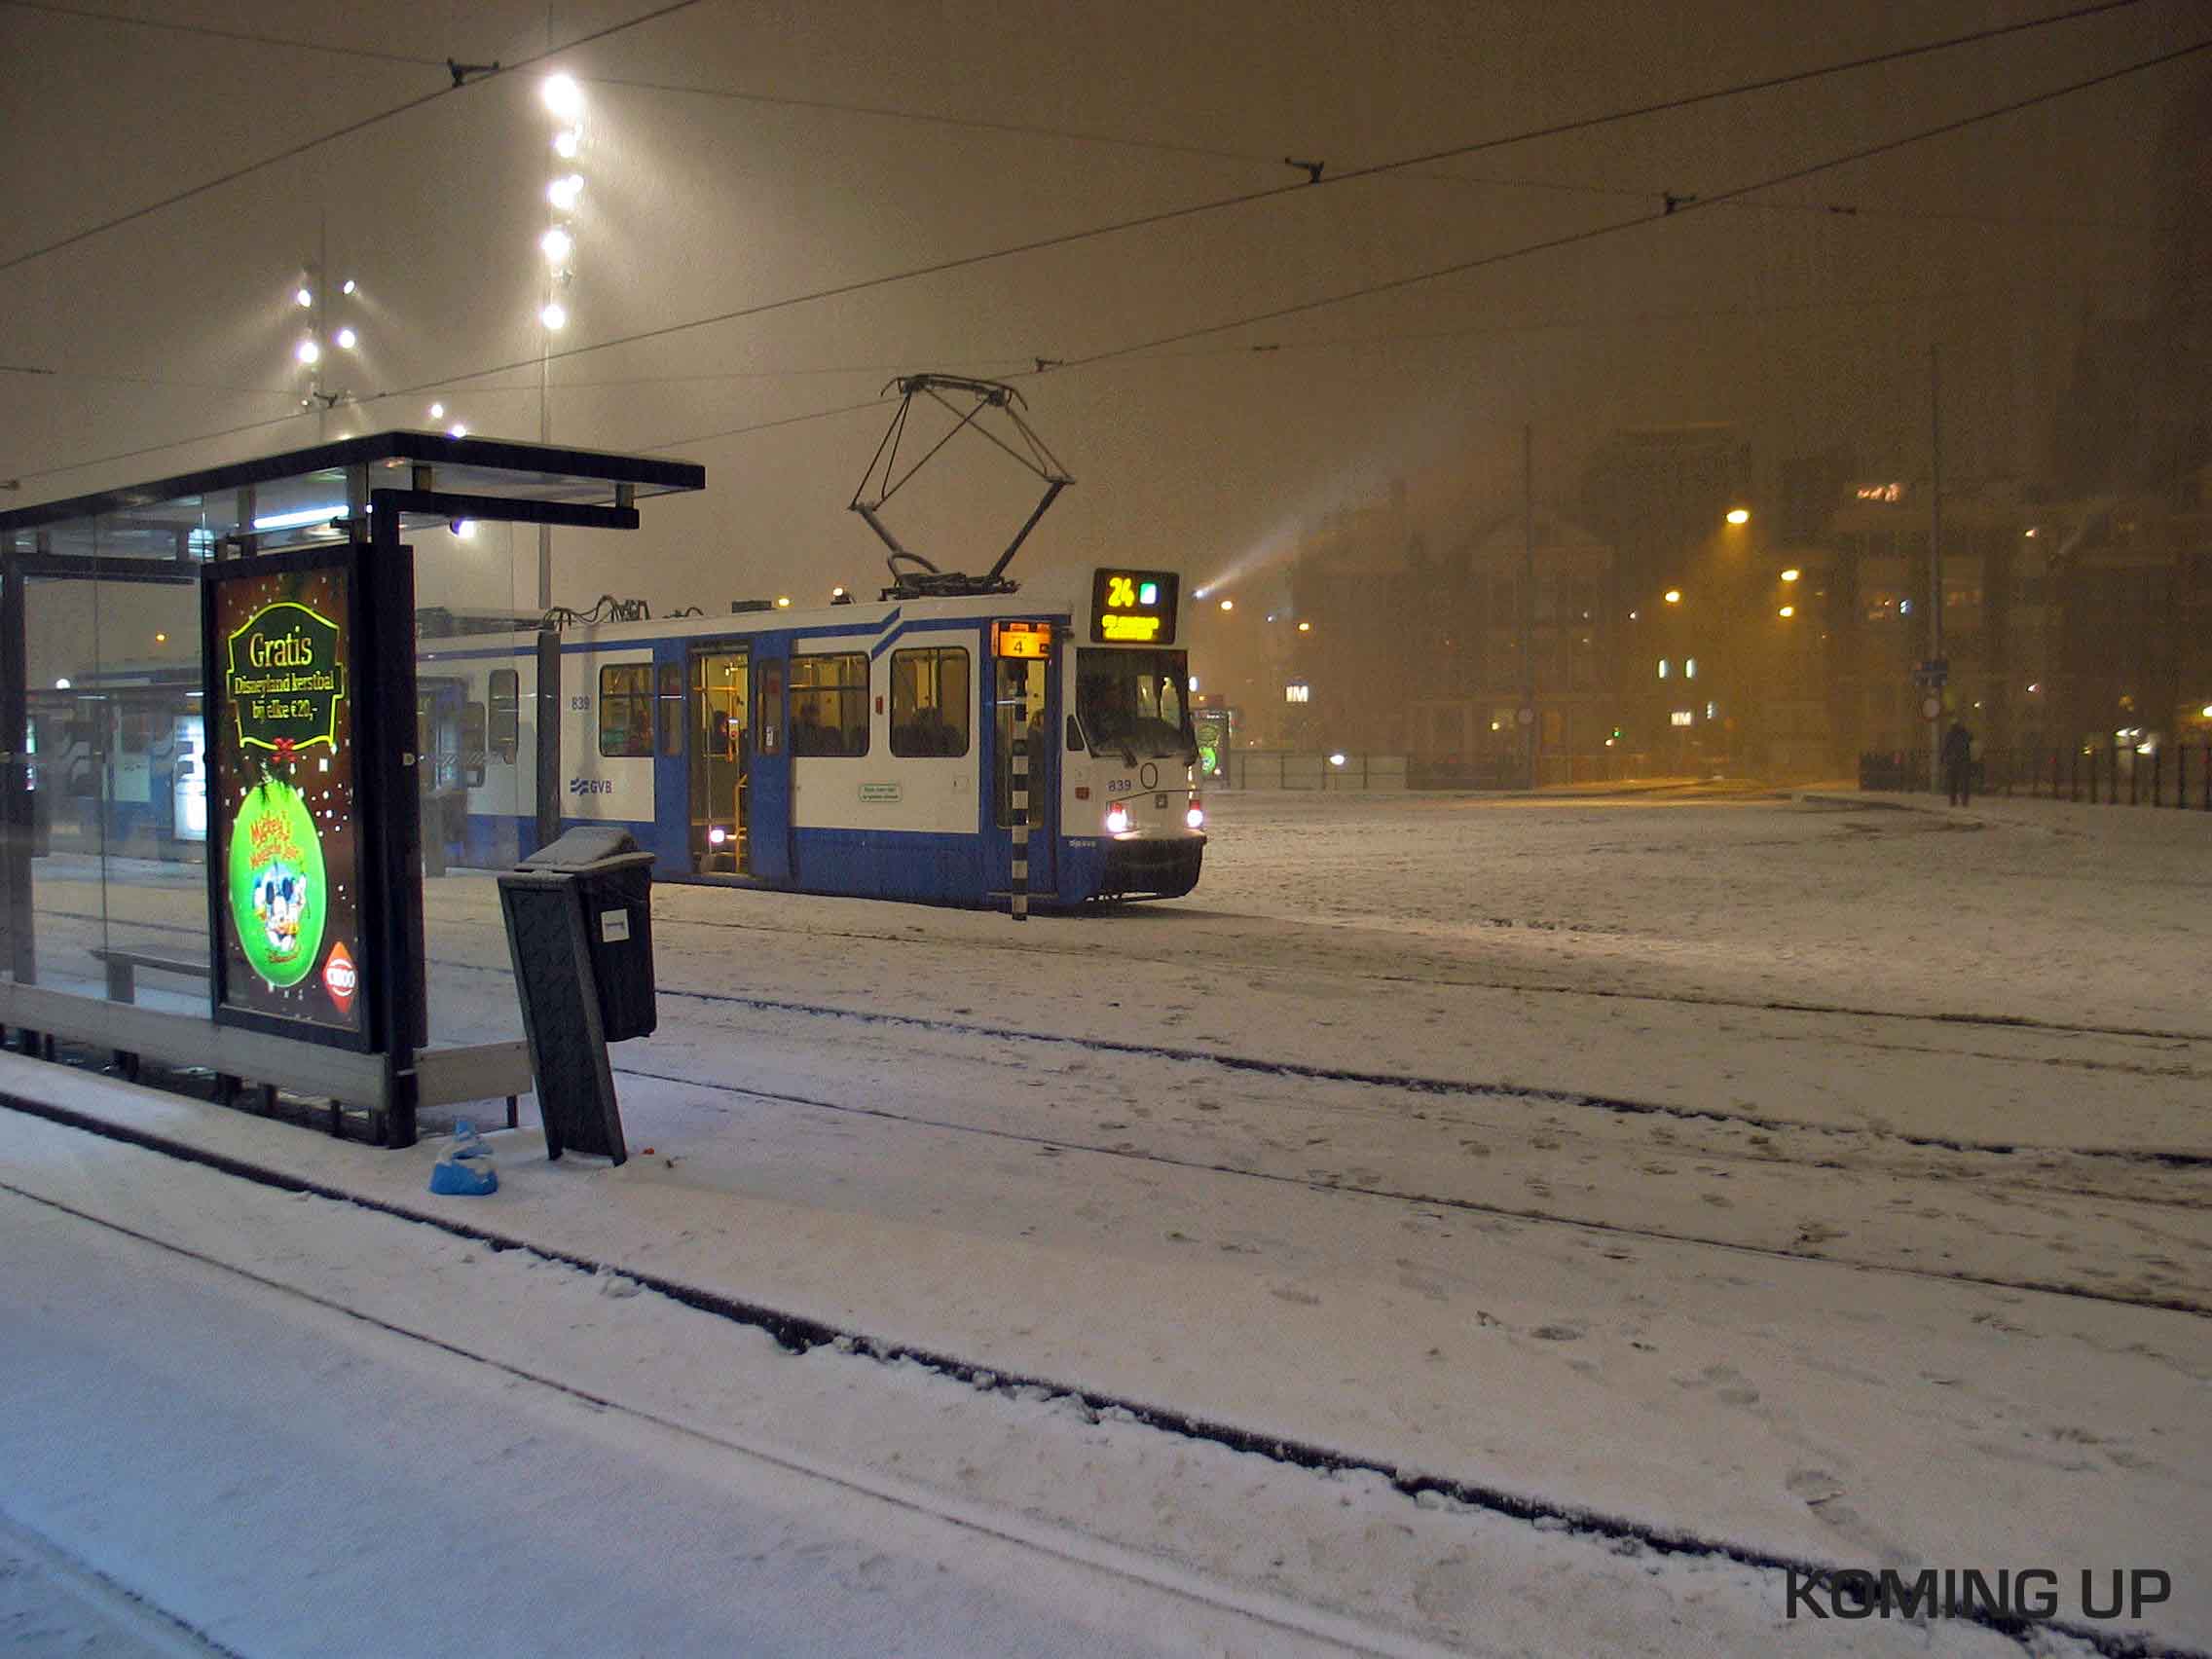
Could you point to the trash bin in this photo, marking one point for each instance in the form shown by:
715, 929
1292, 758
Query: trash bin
616, 881
580, 931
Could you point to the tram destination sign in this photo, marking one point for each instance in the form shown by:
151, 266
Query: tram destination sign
1133, 608
286, 860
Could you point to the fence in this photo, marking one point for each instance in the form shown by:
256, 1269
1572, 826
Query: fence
2114, 774
1280, 769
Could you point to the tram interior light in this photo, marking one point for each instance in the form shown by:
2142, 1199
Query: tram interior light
716, 836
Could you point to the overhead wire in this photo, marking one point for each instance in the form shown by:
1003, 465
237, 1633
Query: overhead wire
1242, 198
1681, 101
290, 152
1614, 227
87, 15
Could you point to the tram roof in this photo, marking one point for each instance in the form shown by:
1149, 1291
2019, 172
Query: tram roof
182, 518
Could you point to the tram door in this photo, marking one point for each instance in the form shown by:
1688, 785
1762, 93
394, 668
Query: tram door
722, 763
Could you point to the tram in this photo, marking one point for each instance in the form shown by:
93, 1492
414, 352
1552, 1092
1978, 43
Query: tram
863, 748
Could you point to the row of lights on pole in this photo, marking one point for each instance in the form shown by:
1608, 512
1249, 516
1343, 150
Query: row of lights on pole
318, 340
564, 100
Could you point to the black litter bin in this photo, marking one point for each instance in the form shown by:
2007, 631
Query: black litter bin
580, 931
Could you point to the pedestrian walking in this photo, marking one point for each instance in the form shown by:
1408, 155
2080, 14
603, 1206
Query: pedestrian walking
1958, 764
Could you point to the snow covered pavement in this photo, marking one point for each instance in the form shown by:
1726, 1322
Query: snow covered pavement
1813, 1185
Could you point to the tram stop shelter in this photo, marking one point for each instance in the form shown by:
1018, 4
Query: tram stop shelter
229, 701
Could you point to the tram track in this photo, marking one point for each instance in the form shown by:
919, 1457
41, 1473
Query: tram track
1349, 1187
1418, 1083
1849, 1011
1435, 1086
799, 1332
1026, 946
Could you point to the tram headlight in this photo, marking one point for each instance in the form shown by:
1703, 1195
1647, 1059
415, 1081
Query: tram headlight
1196, 818
1117, 819
716, 836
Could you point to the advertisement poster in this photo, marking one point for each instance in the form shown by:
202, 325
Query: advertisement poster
286, 864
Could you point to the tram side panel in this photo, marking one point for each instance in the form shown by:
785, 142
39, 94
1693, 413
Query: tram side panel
886, 768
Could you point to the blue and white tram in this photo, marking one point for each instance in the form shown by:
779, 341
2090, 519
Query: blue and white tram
862, 749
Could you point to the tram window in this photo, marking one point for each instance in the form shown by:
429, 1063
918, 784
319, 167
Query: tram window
670, 707
830, 704
626, 709
507, 715
929, 702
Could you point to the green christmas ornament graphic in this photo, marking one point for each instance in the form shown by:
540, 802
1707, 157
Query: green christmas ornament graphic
278, 896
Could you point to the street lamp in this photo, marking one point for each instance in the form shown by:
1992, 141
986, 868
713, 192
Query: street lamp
1739, 515
1672, 595
1791, 575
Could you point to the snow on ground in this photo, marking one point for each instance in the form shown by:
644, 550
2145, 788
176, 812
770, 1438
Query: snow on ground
1791, 1311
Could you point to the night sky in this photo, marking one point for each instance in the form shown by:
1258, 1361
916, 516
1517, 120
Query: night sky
831, 143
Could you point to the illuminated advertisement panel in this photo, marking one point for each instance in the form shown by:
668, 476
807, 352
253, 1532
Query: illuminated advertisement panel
1133, 608
284, 859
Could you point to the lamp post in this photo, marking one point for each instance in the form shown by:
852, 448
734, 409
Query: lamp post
564, 100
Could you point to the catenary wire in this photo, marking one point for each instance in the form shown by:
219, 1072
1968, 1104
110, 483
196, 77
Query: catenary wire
1040, 245
86, 14
347, 131
1593, 233
1245, 198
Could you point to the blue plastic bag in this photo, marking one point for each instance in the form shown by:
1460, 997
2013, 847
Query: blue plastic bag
465, 1170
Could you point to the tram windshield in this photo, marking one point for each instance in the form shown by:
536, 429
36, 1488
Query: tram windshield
1135, 702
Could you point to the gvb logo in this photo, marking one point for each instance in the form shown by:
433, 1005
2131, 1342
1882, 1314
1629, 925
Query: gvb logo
591, 785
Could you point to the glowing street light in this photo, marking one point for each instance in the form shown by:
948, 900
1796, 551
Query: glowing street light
1739, 515
563, 192
348, 339
306, 299
563, 96
557, 244
437, 412
1786, 610
309, 352
1228, 604
1672, 595
554, 316
1791, 575
1306, 627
